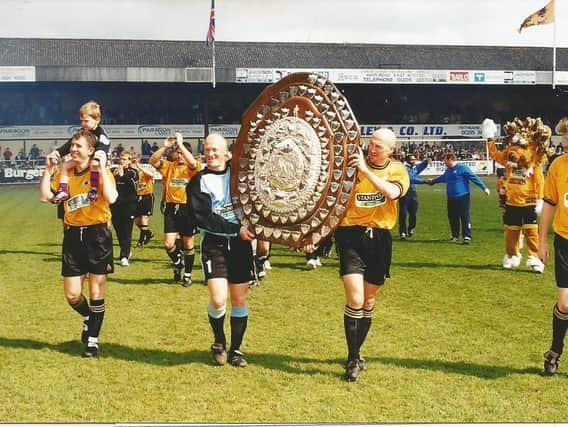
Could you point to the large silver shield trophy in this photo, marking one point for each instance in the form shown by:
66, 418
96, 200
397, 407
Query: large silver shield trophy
290, 180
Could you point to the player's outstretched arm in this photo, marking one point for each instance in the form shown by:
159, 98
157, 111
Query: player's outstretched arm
45, 193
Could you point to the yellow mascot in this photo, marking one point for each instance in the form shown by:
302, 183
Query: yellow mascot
526, 144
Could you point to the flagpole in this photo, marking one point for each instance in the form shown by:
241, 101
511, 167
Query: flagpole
213, 66
211, 38
554, 46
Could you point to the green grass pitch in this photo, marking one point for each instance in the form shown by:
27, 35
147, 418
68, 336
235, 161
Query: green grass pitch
454, 337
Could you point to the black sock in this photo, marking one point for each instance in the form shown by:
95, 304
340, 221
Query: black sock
143, 233
218, 329
82, 307
175, 256
559, 326
96, 317
179, 245
238, 328
351, 320
188, 259
365, 325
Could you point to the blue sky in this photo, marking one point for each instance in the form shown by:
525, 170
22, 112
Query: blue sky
472, 22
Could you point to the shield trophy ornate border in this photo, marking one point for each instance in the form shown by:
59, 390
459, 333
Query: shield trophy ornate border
290, 181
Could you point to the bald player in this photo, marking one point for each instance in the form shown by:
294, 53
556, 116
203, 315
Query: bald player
363, 239
226, 250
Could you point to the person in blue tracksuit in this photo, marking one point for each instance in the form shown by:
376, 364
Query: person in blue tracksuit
457, 177
408, 204
226, 250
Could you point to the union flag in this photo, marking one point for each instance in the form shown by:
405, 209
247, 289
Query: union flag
211, 31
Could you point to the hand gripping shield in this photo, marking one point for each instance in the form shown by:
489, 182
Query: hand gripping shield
290, 182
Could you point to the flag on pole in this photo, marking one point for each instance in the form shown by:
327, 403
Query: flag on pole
211, 31
540, 17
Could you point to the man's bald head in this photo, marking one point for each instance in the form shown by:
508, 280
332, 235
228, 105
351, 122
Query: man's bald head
386, 135
381, 146
216, 152
216, 139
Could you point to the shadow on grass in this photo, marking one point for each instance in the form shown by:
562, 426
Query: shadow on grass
412, 240
27, 252
115, 351
461, 368
438, 265
166, 281
50, 256
51, 245
280, 362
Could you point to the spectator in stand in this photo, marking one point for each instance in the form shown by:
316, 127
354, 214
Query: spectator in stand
457, 177
8, 154
34, 152
41, 158
21, 156
146, 151
155, 147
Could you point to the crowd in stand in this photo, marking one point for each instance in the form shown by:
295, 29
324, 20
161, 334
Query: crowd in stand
421, 150
463, 151
437, 150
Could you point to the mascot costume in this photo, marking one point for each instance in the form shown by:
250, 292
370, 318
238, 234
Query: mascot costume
526, 144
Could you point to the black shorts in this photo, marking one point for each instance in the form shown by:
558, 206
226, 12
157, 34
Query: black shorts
177, 220
145, 205
227, 257
87, 250
60, 211
561, 261
366, 251
519, 215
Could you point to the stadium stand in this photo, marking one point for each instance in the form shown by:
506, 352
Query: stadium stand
150, 82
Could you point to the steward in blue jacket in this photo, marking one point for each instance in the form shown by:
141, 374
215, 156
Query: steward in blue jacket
457, 177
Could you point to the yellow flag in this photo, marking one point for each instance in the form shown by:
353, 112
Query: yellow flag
540, 17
